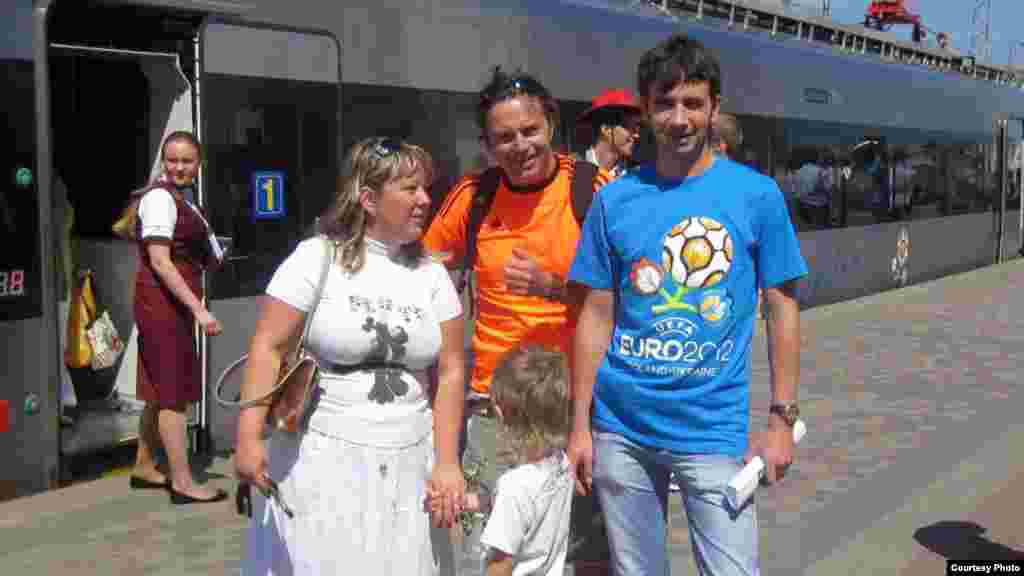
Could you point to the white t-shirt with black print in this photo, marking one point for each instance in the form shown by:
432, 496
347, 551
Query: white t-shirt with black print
384, 315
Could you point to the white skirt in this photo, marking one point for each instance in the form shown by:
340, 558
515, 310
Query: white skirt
357, 510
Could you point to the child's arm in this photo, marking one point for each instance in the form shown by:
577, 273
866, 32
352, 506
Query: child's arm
471, 502
499, 563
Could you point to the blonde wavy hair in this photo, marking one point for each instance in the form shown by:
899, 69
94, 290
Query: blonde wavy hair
370, 163
531, 390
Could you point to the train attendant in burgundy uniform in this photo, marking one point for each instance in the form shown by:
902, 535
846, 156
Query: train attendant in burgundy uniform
175, 246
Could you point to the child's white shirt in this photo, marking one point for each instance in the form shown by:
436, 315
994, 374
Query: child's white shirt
530, 517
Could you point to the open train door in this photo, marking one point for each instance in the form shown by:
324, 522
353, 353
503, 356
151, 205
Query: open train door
269, 116
1016, 177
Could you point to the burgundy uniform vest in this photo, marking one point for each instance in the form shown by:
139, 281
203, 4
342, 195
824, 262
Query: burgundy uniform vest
189, 244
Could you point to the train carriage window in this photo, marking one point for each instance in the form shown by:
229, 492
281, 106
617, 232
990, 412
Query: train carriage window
270, 121
20, 289
273, 127
442, 122
837, 175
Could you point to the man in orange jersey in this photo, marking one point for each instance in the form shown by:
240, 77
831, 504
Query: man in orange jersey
525, 237
528, 237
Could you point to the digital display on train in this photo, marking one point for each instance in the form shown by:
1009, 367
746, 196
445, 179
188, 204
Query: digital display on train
20, 287
19, 292
12, 283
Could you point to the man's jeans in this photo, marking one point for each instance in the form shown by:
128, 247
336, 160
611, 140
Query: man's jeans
631, 482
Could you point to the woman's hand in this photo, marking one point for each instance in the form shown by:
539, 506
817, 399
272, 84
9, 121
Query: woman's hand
251, 462
447, 483
210, 325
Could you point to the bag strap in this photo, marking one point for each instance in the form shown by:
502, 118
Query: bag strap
329, 256
483, 198
582, 189
325, 268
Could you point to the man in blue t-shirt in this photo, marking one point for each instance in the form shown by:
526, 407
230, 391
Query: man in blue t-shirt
671, 257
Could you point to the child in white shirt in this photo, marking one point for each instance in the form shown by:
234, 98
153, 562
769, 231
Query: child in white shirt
527, 532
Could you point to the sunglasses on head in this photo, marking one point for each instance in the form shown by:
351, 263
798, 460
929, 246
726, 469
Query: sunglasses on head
525, 85
385, 147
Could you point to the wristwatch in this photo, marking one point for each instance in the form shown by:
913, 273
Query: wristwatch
789, 413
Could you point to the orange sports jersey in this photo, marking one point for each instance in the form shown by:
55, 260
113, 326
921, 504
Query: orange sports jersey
544, 225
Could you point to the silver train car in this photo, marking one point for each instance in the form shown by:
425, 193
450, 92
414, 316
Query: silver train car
919, 157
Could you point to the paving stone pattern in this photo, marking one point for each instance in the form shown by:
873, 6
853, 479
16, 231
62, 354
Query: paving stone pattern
897, 389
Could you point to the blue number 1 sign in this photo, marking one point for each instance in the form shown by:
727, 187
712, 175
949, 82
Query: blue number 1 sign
268, 195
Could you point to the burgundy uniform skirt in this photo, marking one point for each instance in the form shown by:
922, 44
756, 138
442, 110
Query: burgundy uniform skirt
168, 372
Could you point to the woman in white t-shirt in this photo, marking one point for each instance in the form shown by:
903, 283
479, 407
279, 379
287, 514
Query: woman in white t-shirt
355, 478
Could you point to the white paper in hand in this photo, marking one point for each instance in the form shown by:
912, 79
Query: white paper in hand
742, 486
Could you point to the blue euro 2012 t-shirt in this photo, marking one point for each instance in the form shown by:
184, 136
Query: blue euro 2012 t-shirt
685, 259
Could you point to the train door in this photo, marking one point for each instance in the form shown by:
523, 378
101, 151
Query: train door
1015, 195
269, 119
114, 95
101, 405
1009, 186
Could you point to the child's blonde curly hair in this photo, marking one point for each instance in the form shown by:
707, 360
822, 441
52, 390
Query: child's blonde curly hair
531, 390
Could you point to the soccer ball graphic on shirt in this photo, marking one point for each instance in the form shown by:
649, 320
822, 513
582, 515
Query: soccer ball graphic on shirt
697, 253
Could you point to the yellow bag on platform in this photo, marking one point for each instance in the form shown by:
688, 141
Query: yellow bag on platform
78, 353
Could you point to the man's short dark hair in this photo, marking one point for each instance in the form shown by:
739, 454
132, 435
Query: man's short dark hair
674, 59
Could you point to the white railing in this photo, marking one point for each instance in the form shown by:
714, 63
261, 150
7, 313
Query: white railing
749, 15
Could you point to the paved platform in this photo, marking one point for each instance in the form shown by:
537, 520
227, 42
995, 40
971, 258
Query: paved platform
911, 397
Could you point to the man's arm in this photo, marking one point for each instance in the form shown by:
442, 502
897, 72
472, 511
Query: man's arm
783, 331
782, 323
590, 344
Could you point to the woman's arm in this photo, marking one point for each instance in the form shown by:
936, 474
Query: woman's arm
276, 331
449, 401
160, 259
446, 479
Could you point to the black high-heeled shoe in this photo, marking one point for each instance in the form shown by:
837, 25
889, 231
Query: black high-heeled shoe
179, 498
137, 483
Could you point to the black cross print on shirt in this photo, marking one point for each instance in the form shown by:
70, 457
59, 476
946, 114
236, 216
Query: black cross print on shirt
388, 347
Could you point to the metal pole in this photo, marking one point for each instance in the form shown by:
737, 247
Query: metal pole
50, 354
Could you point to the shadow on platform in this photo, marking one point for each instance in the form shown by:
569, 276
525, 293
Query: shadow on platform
955, 540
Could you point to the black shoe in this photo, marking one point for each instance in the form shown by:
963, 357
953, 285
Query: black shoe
179, 498
141, 484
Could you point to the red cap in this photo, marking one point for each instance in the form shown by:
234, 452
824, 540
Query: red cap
611, 99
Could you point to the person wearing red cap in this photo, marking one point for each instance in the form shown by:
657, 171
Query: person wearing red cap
614, 121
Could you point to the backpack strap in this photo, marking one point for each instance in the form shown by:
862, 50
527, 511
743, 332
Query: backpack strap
581, 196
483, 198
582, 189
